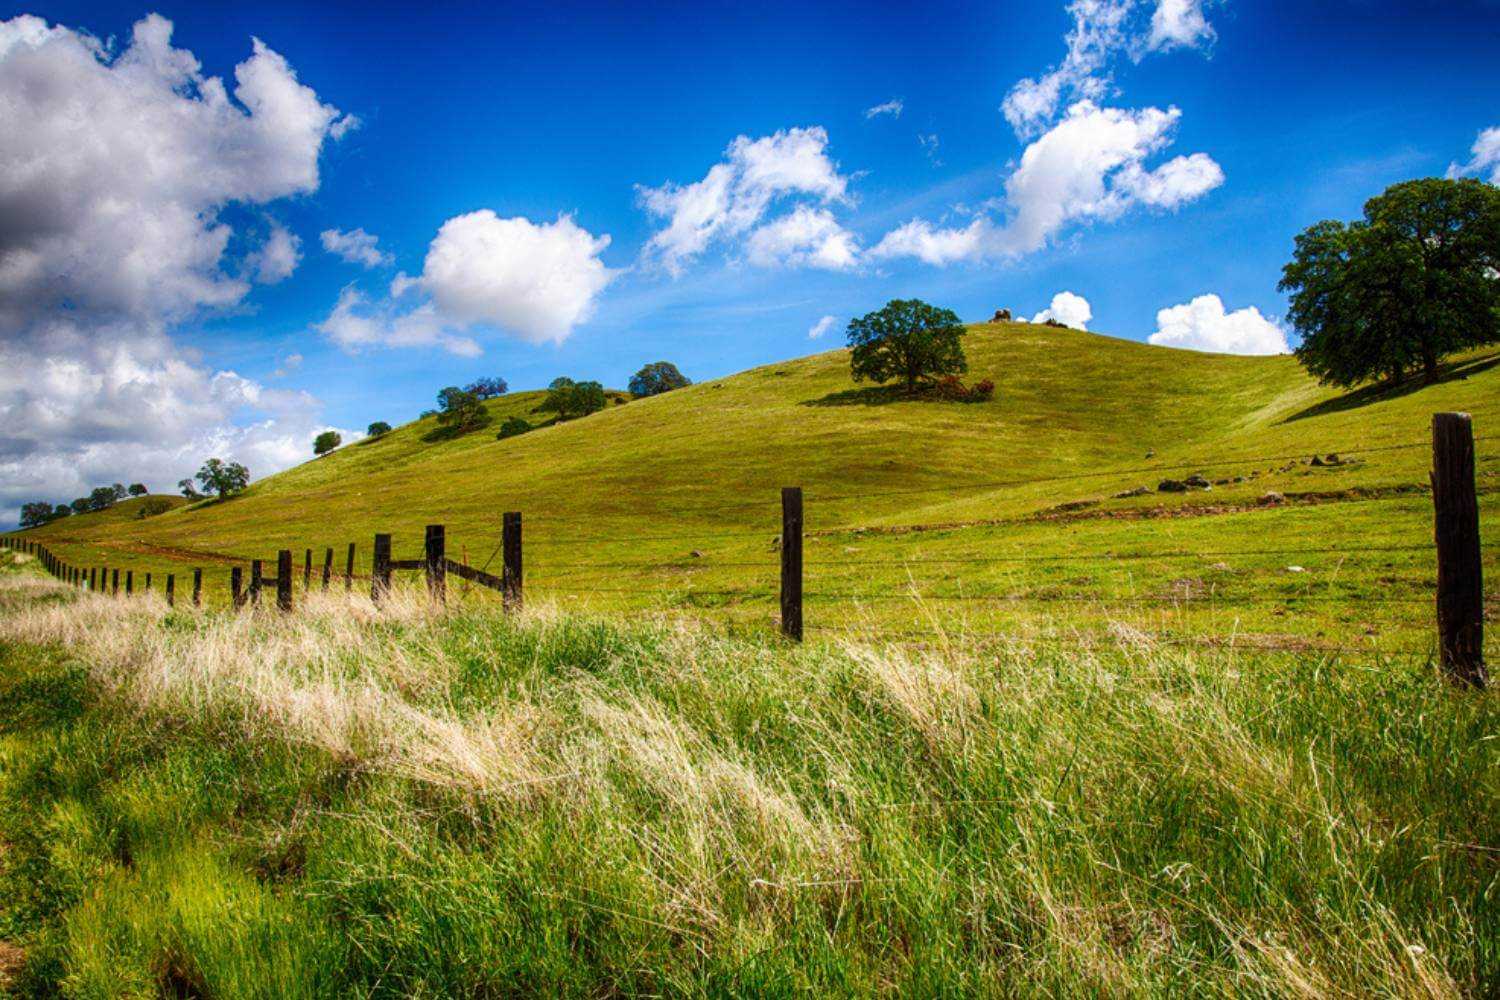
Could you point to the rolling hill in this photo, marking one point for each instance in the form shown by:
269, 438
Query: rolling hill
618, 503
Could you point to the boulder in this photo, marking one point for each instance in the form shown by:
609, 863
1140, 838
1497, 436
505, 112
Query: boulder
1171, 486
1271, 499
1139, 491
1197, 482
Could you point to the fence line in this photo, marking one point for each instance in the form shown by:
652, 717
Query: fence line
1459, 598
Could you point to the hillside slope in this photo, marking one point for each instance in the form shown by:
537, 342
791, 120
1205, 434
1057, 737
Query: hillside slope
1076, 416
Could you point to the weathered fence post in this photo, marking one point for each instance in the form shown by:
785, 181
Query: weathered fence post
171, 590
349, 569
307, 571
1460, 582
284, 578
327, 566
148, 582
380, 569
197, 587
791, 562
129, 581
511, 577
114, 582
92, 571
236, 580
255, 578
436, 548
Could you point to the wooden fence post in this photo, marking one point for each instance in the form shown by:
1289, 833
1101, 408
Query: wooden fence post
92, 571
436, 549
349, 569
1460, 582
255, 578
148, 582
380, 569
327, 566
129, 581
197, 587
236, 580
171, 590
791, 562
511, 577
307, 571
114, 582
284, 578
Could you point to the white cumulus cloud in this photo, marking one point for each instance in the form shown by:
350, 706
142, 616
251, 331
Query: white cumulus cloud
1179, 24
809, 237
1068, 309
355, 246
1203, 325
1091, 165
1486, 157
533, 281
118, 166
736, 193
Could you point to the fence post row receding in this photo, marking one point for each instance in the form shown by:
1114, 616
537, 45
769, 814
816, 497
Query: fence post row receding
1459, 596
1460, 573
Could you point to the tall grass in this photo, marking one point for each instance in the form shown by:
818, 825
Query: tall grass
411, 802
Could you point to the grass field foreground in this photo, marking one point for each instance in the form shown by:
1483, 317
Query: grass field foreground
425, 803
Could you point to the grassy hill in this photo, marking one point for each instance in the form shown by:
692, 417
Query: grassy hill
616, 504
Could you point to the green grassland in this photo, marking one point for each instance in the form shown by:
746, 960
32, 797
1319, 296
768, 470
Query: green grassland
424, 804
671, 503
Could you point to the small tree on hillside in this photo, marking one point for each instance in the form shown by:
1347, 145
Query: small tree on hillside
223, 478
35, 514
378, 428
138, 489
81, 505
657, 378
569, 399
1412, 281
326, 442
487, 388
103, 497
908, 340
460, 411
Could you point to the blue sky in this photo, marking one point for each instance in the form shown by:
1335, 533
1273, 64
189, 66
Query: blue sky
1182, 146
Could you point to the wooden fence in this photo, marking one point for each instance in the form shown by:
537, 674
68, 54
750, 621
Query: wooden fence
1459, 594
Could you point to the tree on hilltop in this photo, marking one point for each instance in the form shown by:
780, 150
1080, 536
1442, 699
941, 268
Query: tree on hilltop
656, 378
326, 442
487, 388
1416, 279
907, 340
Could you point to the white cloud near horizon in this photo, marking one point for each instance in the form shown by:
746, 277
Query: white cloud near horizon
1485, 155
822, 326
737, 192
118, 167
1067, 308
356, 247
1203, 325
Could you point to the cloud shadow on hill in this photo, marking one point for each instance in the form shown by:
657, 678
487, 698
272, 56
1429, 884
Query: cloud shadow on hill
1382, 391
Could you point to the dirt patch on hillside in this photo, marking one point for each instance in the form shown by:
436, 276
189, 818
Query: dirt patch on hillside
12, 959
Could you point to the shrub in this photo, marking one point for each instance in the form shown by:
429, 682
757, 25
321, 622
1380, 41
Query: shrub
512, 427
952, 388
153, 507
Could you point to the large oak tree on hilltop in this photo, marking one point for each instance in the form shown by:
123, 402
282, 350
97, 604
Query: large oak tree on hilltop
1416, 279
907, 340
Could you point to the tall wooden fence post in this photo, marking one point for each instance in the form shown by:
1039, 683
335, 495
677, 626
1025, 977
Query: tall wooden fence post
435, 548
307, 571
349, 569
284, 578
114, 582
380, 568
1460, 582
511, 577
256, 573
791, 562
171, 590
148, 582
129, 581
197, 587
327, 566
93, 571
236, 580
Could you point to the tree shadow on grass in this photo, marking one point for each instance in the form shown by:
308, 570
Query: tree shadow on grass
447, 432
878, 395
1382, 391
